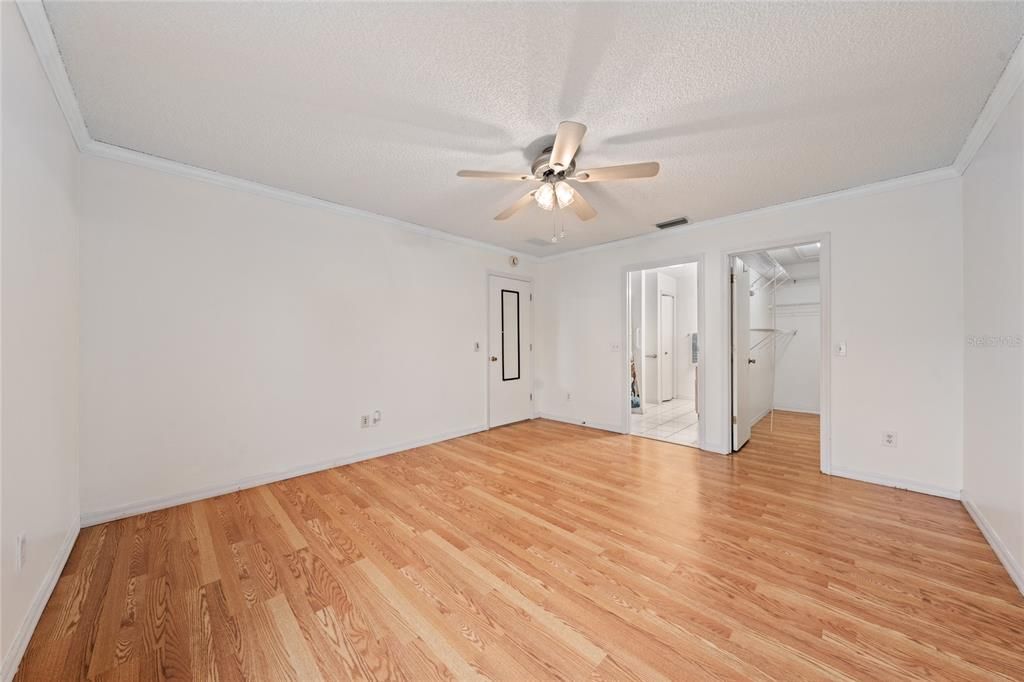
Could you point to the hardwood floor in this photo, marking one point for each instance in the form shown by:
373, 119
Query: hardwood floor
541, 551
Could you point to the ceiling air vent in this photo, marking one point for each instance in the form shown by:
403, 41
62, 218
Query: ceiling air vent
673, 223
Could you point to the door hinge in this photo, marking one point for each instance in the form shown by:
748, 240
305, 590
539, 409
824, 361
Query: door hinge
531, 346
734, 420
531, 297
531, 396
732, 279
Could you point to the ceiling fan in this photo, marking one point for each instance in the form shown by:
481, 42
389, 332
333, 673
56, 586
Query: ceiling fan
555, 168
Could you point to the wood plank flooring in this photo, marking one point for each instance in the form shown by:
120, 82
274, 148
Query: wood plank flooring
542, 551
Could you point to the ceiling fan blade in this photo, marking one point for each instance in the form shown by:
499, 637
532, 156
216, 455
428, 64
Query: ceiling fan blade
523, 202
494, 175
567, 142
584, 211
625, 172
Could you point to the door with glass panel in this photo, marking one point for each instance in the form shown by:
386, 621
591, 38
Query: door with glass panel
510, 347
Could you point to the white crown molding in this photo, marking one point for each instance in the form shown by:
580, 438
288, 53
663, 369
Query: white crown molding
38, 26
1006, 86
112, 152
34, 15
937, 175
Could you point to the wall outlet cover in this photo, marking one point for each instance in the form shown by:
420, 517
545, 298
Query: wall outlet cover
889, 439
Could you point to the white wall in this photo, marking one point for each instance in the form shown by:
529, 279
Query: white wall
903, 326
39, 357
993, 415
228, 336
798, 356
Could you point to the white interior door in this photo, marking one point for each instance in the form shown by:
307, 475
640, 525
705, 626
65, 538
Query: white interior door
740, 354
510, 347
667, 332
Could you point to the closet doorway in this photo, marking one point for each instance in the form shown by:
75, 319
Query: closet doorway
664, 359
777, 340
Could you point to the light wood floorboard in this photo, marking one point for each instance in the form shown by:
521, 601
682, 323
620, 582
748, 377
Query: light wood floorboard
542, 551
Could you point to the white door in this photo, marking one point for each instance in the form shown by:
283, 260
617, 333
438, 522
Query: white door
740, 354
509, 351
667, 333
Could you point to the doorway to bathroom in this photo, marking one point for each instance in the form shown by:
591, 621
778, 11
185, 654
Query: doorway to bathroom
664, 355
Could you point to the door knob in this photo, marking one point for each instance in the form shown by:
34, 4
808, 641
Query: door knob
751, 361
494, 358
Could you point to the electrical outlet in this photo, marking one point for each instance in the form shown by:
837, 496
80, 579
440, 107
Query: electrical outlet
19, 552
616, 348
568, 397
378, 417
889, 439
364, 421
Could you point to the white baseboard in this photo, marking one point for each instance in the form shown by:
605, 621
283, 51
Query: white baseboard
93, 518
614, 428
12, 659
759, 417
902, 484
779, 408
998, 546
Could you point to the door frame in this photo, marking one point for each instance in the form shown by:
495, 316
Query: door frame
487, 340
825, 307
625, 344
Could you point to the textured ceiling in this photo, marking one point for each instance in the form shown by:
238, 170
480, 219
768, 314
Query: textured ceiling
376, 105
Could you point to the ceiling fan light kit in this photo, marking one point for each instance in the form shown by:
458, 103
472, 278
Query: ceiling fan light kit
550, 192
555, 168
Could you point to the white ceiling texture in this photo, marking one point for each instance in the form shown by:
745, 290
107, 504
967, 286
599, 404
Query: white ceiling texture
377, 105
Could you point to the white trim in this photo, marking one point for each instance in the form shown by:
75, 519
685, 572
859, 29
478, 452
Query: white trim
799, 410
998, 546
112, 152
142, 506
38, 26
1006, 86
913, 180
900, 483
39, 30
12, 659
582, 422
764, 413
